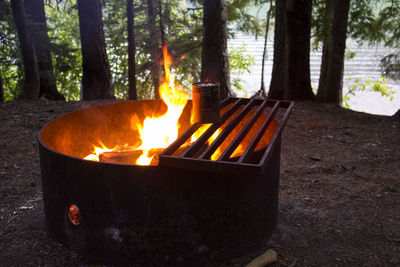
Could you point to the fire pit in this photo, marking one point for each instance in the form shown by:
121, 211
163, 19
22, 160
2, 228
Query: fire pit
199, 203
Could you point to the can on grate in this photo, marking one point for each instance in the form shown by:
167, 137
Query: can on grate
205, 102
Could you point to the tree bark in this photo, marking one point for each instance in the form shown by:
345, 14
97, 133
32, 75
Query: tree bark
278, 83
214, 63
160, 14
298, 50
332, 66
1, 89
327, 29
264, 56
96, 80
154, 46
38, 29
31, 79
131, 50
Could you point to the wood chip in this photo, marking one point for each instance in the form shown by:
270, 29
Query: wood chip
265, 259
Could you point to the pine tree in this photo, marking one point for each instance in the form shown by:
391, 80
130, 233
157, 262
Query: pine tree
96, 80
215, 64
31, 79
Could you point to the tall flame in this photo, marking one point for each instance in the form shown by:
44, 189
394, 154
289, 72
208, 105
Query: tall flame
159, 132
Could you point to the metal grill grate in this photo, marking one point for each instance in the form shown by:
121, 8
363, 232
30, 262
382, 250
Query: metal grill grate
197, 155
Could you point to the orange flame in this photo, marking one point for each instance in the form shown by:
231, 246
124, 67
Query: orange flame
161, 131
97, 151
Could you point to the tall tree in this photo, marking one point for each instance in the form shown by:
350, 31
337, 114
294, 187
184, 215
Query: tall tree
264, 57
154, 46
214, 63
160, 14
31, 79
298, 42
1, 89
334, 45
132, 93
279, 72
38, 29
96, 80
291, 66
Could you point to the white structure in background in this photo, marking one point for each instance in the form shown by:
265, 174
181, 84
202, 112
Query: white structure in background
364, 65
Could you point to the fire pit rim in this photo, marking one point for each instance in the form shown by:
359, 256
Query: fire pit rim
166, 158
82, 110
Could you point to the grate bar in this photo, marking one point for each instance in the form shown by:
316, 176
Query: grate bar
204, 137
226, 102
171, 149
227, 130
232, 146
259, 134
277, 133
181, 140
250, 161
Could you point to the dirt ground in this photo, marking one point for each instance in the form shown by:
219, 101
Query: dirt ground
339, 191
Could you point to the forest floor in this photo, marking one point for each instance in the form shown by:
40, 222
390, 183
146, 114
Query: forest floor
339, 189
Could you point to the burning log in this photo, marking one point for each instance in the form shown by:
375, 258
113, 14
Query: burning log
121, 157
131, 156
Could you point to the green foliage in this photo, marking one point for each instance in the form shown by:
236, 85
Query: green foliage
378, 22
319, 25
239, 63
11, 66
348, 54
361, 24
360, 85
182, 26
63, 30
388, 24
370, 21
114, 20
241, 19
183, 30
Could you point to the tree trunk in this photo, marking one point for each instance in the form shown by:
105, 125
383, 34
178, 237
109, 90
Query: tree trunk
131, 50
298, 50
160, 14
327, 29
1, 89
96, 80
214, 63
31, 79
332, 66
278, 83
154, 46
264, 57
38, 29
396, 116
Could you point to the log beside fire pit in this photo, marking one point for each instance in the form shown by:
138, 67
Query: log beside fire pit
187, 209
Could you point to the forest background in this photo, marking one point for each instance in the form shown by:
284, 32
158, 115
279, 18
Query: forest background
180, 25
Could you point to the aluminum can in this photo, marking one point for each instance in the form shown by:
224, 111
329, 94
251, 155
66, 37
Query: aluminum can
205, 102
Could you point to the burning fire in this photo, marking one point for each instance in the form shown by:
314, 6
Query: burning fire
160, 132
156, 132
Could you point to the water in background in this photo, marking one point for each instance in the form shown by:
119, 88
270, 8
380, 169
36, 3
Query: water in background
364, 65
